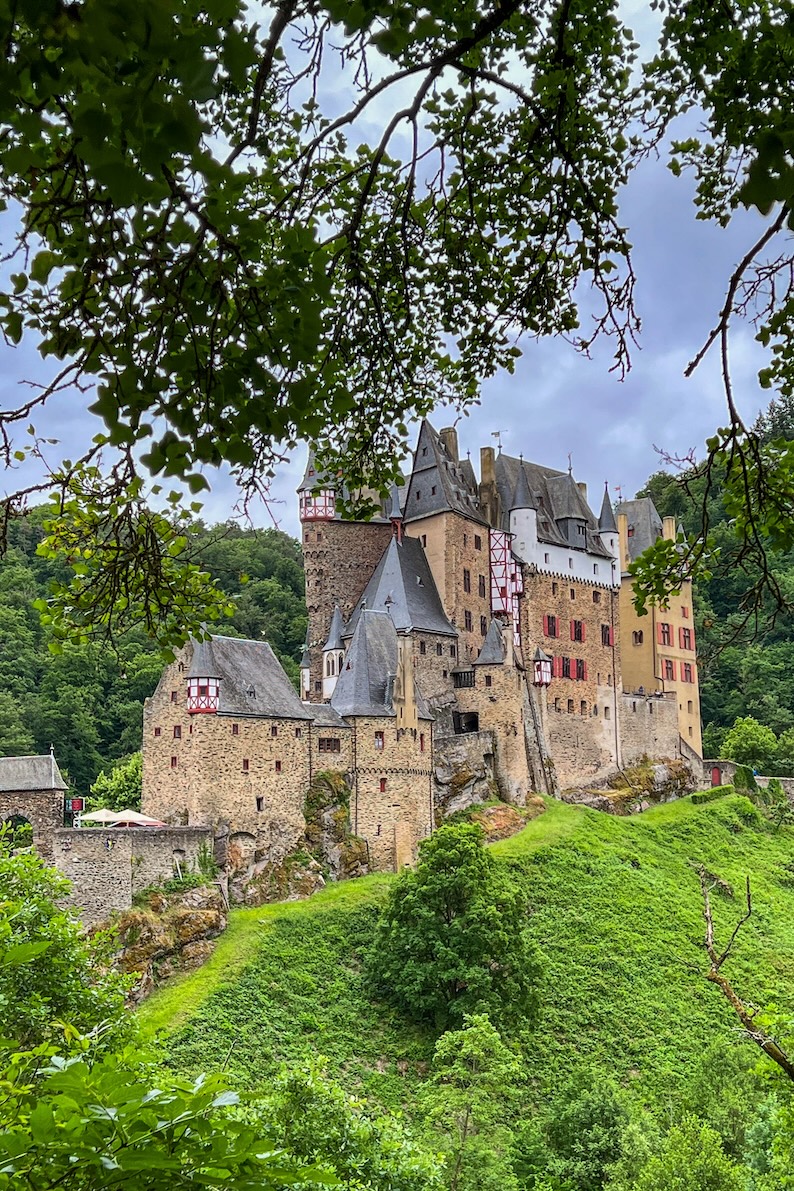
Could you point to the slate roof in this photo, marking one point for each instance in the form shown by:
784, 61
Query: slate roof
493, 650
606, 518
556, 497
438, 483
252, 681
645, 524
335, 631
325, 716
402, 584
30, 773
366, 683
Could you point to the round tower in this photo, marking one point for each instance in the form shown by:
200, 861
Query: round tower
523, 518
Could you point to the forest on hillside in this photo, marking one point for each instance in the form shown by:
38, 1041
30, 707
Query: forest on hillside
86, 701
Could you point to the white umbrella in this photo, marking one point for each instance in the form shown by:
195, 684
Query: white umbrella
102, 816
136, 819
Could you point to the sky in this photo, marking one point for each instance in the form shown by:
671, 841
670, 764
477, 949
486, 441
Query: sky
557, 403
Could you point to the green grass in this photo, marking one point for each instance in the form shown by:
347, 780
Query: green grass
616, 910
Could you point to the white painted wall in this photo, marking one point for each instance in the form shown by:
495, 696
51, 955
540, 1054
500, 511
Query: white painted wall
562, 561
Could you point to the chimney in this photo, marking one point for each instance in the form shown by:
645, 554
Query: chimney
487, 472
582, 488
449, 437
669, 532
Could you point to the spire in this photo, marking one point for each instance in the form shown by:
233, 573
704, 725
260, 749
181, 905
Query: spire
522, 497
310, 478
335, 631
395, 513
606, 518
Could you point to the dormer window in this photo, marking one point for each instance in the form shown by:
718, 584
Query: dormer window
203, 695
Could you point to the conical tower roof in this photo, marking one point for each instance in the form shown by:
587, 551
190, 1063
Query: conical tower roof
395, 512
335, 631
606, 518
493, 650
522, 497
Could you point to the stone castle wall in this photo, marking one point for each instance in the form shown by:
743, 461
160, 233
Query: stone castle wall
394, 818
454, 545
648, 727
339, 559
108, 866
42, 808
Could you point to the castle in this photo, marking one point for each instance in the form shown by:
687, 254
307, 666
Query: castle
476, 638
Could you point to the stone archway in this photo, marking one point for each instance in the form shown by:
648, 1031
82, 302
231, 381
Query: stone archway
17, 832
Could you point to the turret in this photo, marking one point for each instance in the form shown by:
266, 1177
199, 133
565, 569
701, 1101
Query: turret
523, 518
333, 653
607, 527
395, 513
203, 681
316, 503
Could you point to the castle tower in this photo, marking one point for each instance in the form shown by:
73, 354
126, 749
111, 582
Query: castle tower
338, 558
523, 518
333, 654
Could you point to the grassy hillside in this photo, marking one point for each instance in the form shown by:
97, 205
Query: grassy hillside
616, 910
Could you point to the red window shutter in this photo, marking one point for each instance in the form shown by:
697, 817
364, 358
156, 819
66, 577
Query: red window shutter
545, 624
611, 636
573, 638
558, 666
680, 637
672, 664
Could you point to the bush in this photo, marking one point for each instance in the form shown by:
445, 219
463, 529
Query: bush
711, 795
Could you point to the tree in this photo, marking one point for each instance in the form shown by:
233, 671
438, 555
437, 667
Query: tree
583, 1130
120, 787
213, 236
750, 743
50, 973
452, 938
691, 1159
470, 1101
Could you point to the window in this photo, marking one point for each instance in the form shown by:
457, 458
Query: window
235, 729
453, 651
467, 621
273, 730
685, 636
606, 713
631, 531
278, 767
684, 612
550, 626
245, 764
463, 678
477, 542
319, 536
421, 742
577, 630
595, 568
581, 669
260, 802
422, 648
636, 637
424, 539
691, 733
327, 744
570, 564
488, 680
177, 732
565, 666
439, 650
583, 707
570, 706
665, 634
687, 674
483, 625
668, 670
607, 635
158, 731
573, 593
383, 785
689, 706
555, 587
297, 733
481, 586
418, 494
174, 762
379, 741
596, 597
466, 580
433, 490
465, 539
318, 686
173, 696
546, 558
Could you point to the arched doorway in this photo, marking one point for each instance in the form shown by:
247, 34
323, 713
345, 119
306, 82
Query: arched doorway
16, 833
